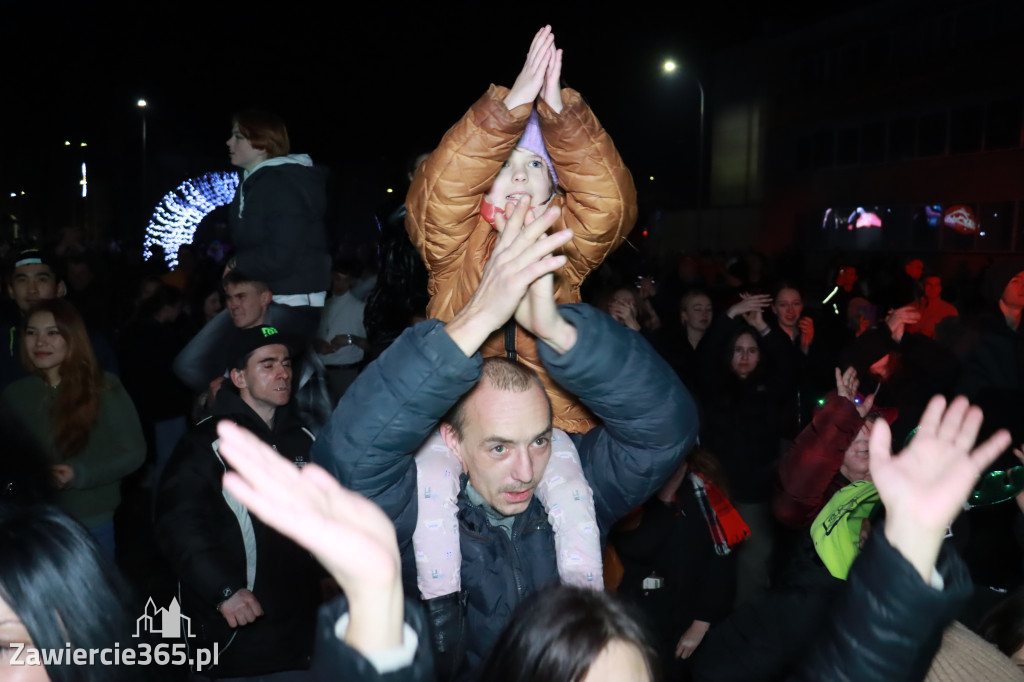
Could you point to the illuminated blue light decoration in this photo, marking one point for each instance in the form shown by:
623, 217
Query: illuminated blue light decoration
179, 213
85, 182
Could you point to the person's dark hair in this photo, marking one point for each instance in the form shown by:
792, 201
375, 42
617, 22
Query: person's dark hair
702, 462
400, 294
786, 284
164, 295
502, 374
1004, 624
347, 266
557, 634
237, 277
62, 588
265, 131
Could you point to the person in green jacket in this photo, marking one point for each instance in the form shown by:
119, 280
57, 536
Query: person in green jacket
83, 420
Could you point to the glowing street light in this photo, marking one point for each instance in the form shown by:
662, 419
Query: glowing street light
141, 104
669, 66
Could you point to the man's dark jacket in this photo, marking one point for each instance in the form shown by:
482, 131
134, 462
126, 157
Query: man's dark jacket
649, 420
200, 531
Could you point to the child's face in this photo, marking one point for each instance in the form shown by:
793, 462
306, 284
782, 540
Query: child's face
523, 173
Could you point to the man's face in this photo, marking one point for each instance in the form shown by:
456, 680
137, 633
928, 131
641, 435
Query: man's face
33, 283
1013, 294
247, 304
506, 444
914, 269
266, 380
932, 288
855, 461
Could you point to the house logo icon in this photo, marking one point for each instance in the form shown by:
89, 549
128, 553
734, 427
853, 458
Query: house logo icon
164, 622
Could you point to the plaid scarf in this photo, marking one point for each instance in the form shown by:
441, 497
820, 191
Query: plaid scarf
725, 524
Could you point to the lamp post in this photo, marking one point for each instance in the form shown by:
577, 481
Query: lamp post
142, 105
670, 67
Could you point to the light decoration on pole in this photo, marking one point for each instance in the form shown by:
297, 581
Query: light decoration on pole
84, 183
179, 213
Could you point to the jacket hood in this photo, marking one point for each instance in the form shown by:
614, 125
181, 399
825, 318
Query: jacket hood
291, 159
300, 159
229, 405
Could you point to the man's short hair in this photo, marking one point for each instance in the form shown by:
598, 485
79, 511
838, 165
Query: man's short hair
236, 277
265, 131
502, 374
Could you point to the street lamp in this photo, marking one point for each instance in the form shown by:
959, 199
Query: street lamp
142, 105
669, 66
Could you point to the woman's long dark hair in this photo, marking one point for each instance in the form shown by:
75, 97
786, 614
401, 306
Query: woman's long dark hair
62, 588
81, 379
558, 633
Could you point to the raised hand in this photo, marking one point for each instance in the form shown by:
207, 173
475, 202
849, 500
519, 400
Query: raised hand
925, 486
522, 254
899, 318
847, 384
552, 91
749, 303
624, 312
806, 326
353, 539
531, 79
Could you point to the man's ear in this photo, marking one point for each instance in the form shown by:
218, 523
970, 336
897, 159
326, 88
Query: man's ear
238, 378
266, 296
62, 289
451, 439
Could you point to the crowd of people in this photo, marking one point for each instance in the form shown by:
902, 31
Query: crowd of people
498, 450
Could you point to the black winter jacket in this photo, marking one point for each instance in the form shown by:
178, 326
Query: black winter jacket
649, 423
741, 418
199, 528
887, 625
277, 226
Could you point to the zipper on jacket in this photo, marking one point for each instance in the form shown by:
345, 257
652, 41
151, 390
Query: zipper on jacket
516, 563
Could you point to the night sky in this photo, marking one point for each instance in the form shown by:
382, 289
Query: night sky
360, 95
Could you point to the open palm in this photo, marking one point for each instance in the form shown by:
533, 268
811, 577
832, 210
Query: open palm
928, 482
350, 535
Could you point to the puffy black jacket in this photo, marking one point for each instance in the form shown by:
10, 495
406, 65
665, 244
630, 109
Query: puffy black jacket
277, 226
887, 625
199, 529
649, 423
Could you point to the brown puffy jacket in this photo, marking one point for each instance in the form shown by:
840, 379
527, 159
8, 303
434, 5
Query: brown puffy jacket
455, 241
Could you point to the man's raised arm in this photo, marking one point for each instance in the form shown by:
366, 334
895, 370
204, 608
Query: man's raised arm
650, 419
396, 402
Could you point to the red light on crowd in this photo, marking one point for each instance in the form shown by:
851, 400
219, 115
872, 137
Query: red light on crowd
645, 233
